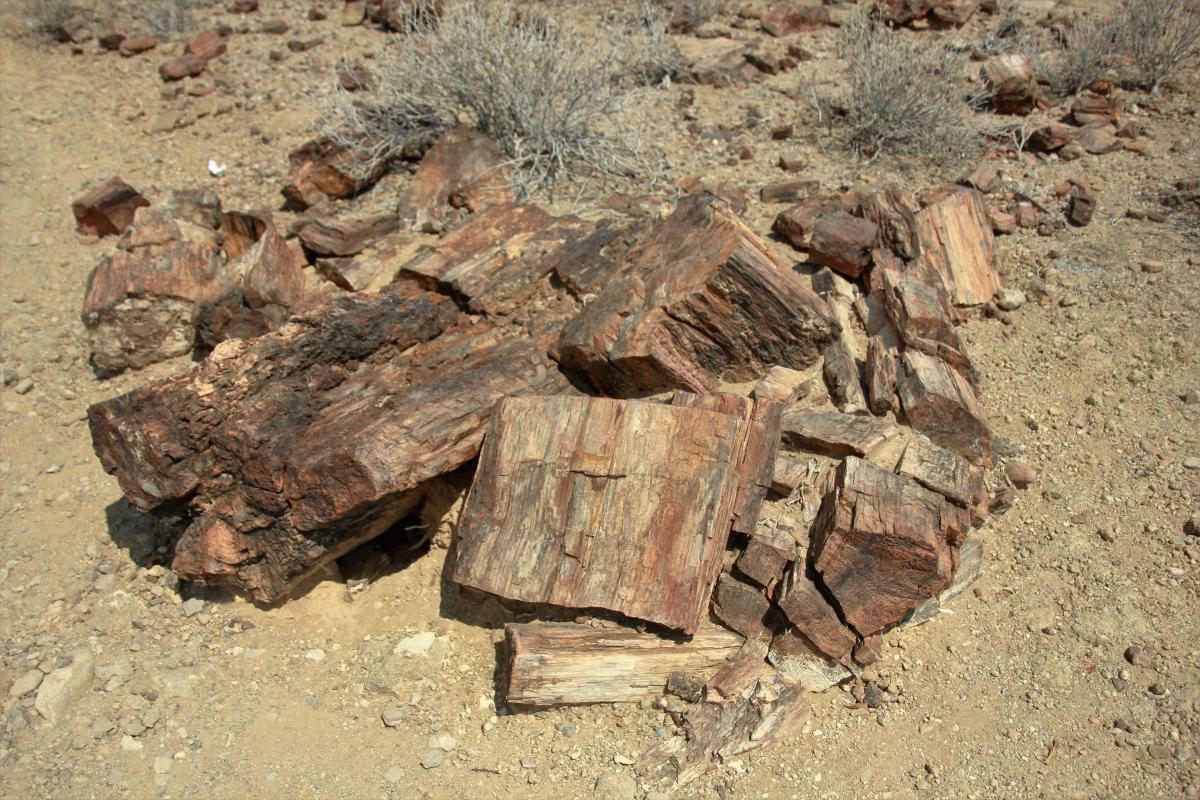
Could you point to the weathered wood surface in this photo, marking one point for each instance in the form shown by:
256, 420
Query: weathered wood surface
140, 303
765, 560
464, 168
702, 300
842, 377
375, 268
881, 375
958, 245
795, 225
767, 710
741, 606
881, 545
894, 213
944, 472
108, 209
939, 402
552, 664
813, 616
835, 434
298, 445
843, 243
323, 234
1011, 83
800, 661
783, 385
599, 503
321, 171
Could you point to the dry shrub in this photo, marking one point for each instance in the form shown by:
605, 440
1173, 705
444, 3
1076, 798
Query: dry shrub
49, 18
551, 96
166, 17
903, 92
1143, 43
691, 14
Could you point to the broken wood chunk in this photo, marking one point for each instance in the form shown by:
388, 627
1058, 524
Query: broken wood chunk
552, 664
880, 545
374, 269
970, 563
881, 376
108, 209
321, 170
1011, 83
738, 673
327, 235
843, 243
808, 610
798, 660
769, 709
599, 503
842, 377
835, 434
702, 300
795, 225
764, 561
464, 168
790, 472
782, 385
894, 212
939, 402
299, 445
944, 472
957, 244
742, 607
792, 191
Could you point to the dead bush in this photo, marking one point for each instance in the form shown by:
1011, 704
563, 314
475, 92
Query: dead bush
903, 94
552, 97
1142, 43
688, 15
166, 17
49, 18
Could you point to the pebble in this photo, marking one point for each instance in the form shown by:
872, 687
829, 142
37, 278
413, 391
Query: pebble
1158, 751
1108, 533
433, 759
23, 386
394, 775
26, 683
162, 765
1192, 462
442, 741
1020, 473
64, 686
1138, 657
192, 606
1010, 299
316, 654
392, 717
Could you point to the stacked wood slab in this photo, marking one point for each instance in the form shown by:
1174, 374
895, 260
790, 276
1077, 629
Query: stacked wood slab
763, 470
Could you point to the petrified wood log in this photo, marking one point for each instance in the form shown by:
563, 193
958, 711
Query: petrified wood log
765, 560
299, 445
108, 209
842, 377
463, 168
552, 664
327, 235
946, 473
895, 214
957, 244
835, 434
939, 402
703, 299
881, 545
599, 503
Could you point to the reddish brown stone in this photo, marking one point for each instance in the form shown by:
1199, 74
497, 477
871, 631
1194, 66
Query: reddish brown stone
789, 191
207, 45
843, 243
108, 209
176, 69
813, 616
793, 16
465, 169
742, 607
795, 226
133, 45
321, 170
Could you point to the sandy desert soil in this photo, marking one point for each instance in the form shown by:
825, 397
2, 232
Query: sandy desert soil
1023, 690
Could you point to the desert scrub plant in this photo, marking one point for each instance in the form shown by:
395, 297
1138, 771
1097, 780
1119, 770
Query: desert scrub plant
551, 97
49, 18
165, 17
903, 95
1142, 43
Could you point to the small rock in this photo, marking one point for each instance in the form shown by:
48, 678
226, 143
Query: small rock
1191, 462
192, 606
1138, 657
63, 687
1192, 526
394, 775
1010, 299
26, 683
1108, 533
162, 765
23, 386
1158, 751
433, 759
316, 654
274, 26
1152, 267
392, 717
1020, 473
442, 741
686, 686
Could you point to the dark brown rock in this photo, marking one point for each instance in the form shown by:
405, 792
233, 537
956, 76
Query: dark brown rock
843, 243
108, 209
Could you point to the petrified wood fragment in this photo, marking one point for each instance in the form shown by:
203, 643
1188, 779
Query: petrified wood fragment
835, 434
742, 607
1011, 83
813, 616
939, 402
703, 299
941, 470
599, 503
881, 376
881, 545
552, 664
957, 244
301, 444
464, 168
843, 243
894, 212
322, 170
108, 209
795, 225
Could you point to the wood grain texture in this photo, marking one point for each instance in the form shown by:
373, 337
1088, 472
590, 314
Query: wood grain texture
298, 445
464, 167
834, 434
939, 402
944, 472
701, 300
957, 244
599, 503
880, 545
108, 209
552, 664
322, 171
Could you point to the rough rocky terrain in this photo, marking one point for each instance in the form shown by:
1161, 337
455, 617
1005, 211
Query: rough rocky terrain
1071, 670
